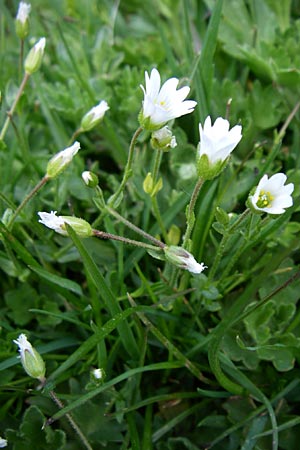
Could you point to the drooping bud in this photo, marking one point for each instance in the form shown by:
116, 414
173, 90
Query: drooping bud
31, 360
61, 160
22, 20
90, 179
34, 58
183, 259
57, 223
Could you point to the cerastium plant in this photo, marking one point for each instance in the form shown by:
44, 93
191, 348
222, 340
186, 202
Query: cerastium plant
220, 296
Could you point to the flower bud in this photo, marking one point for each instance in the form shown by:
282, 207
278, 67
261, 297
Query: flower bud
31, 360
34, 58
61, 160
97, 376
3, 442
90, 179
94, 116
149, 186
183, 259
58, 224
22, 22
163, 139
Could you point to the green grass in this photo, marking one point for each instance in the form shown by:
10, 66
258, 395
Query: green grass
189, 361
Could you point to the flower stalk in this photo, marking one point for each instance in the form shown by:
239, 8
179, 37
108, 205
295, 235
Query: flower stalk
190, 214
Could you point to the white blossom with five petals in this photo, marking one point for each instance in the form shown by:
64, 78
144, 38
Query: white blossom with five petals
271, 196
163, 103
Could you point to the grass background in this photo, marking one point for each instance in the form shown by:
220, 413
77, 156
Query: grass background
207, 362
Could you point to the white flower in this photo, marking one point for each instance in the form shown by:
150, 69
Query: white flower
217, 141
3, 442
32, 361
94, 116
61, 160
57, 223
23, 12
183, 259
216, 144
271, 196
165, 103
98, 374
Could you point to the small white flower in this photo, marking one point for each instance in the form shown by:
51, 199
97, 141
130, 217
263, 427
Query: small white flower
94, 116
98, 374
23, 344
51, 220
3, 442
163, 103
57, 223
217, 141
61, 160
271, 196
23, 12
183, 259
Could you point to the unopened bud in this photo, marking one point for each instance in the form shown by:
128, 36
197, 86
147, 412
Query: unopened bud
22, 20
58, 223
34, 58
149, 186
31, 360
94, 116
90, 178
61, 160
163, 139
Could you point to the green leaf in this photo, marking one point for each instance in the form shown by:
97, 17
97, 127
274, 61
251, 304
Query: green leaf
69, 285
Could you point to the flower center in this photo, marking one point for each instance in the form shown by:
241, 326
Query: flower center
264, 200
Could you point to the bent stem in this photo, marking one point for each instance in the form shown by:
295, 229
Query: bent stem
135, 228
104, 235
190, 214
28, 197
128, 170
12, 109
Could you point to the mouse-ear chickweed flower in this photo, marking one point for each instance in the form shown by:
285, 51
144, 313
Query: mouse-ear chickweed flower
183, 259
94, 116
31, 360
61, 160
163, 103
57, 223
3, 442
271, 196
216, 144
163, 139
35, 56
22, 20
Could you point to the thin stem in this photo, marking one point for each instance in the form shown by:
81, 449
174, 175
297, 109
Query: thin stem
12, 109
74, 135
169, 345
156, 165
158, 217
223, 243
190, 212
287, 122
135, 228
71, 421
21, 57
104, 235
128, 170
28, 197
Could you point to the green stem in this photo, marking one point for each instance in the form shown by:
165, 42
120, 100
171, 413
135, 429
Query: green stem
74, 135
155, 207
135, 228
128, 170
28, 197
156, 165
12, 109
190, 215
71, 421
104, 235
223, 243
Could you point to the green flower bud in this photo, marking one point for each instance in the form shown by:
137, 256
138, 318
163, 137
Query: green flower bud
94, 116
90, 178
183, 259
61, 160
34, 58
31, 360
163, 139
22, 22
